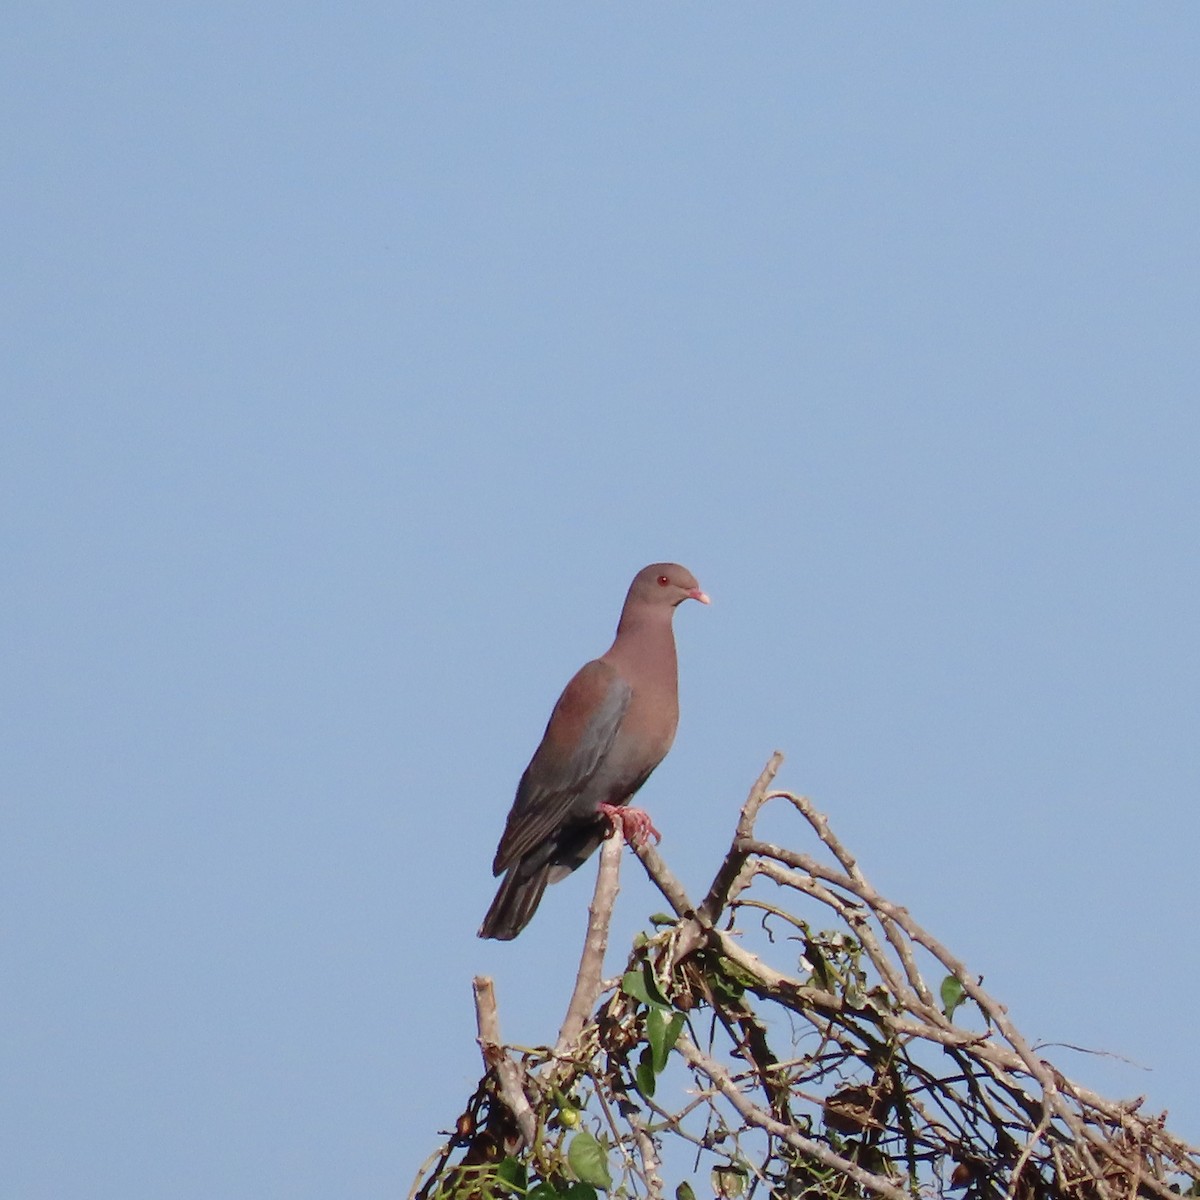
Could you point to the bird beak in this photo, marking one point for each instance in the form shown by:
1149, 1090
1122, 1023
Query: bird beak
697, 594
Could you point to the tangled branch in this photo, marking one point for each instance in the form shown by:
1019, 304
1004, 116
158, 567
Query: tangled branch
814, 1041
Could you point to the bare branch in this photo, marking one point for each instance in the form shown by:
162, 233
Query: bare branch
722, 884
496, 1057
830, 1069
878, 1184
595, 943
660, 875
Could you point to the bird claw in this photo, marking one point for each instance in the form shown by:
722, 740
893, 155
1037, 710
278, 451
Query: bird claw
634, 824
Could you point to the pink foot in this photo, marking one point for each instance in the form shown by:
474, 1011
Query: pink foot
634, 823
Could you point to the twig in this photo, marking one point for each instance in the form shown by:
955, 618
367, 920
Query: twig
651, 1167
880, 1185
889, 1090
496, 1057
1026, 1153
662, 878
727, 873
595, 942
820, 824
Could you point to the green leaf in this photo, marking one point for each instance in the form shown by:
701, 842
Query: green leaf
725, 986
663, 1032
822, 975
632, 985
589, 1161
511, 1173
728, 1181
579, 1191
684, 1191
569, 1191
641, 985
953, 994
644, 1072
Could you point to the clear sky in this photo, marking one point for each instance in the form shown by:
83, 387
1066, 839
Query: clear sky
356, 356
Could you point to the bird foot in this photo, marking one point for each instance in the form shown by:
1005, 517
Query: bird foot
634, 823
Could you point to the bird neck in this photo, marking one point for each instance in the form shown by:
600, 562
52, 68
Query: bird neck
645, 637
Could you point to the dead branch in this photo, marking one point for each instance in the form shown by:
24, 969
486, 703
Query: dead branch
595, 943
496, 1057
815, 1056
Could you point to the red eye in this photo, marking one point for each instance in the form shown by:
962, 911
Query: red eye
663, 581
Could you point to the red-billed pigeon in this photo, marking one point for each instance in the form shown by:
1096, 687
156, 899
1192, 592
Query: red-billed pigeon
613, 724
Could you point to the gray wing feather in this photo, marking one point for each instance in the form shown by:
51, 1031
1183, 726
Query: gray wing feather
552, 783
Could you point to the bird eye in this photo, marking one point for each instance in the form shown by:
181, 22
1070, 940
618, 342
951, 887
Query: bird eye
663, 581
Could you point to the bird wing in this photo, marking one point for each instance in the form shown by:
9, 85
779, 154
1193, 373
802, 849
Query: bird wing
578, 736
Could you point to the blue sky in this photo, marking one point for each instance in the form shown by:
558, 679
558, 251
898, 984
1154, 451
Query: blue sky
355, 357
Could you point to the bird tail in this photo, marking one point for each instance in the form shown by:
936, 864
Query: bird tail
515, 903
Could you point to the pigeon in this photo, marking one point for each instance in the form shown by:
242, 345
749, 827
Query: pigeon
613, 724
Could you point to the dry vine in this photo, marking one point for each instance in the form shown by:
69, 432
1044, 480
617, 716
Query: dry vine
842, 1073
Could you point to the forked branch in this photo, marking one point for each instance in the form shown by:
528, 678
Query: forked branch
798, 1035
